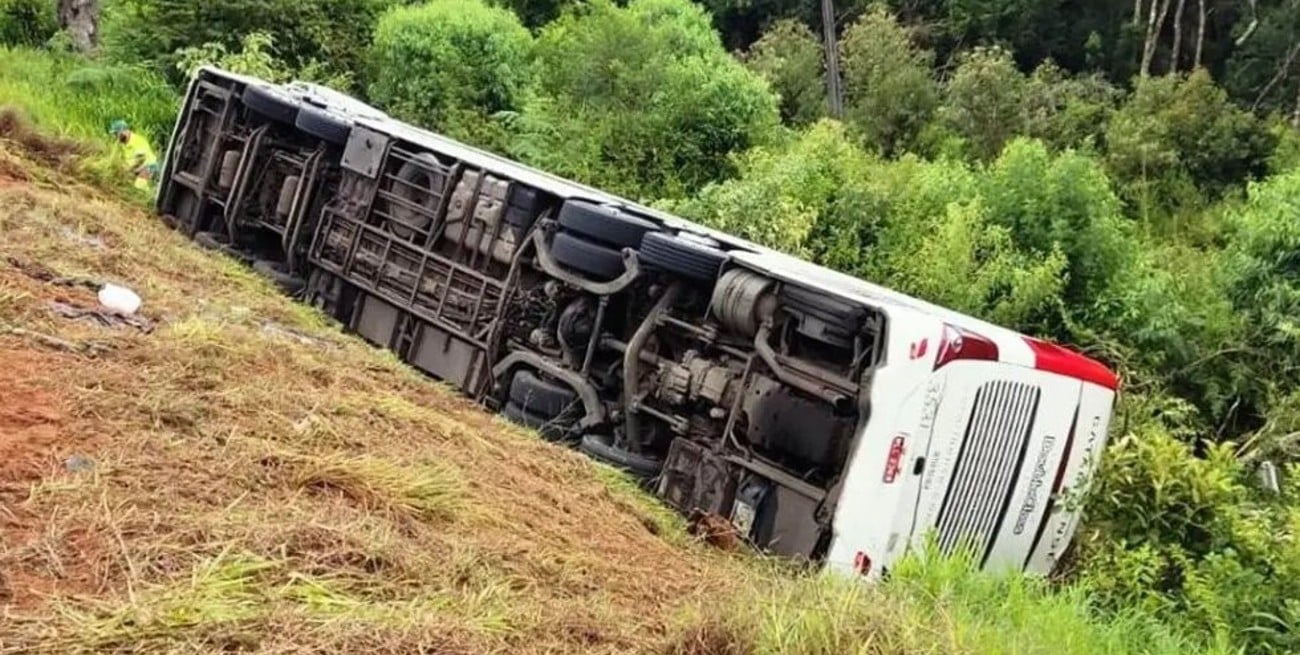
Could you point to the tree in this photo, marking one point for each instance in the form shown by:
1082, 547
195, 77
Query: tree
26, 22
641, 100
328, 35
789, 57
451, 65
1069, 111
80, 19
889, 91
1180, 136
984, 101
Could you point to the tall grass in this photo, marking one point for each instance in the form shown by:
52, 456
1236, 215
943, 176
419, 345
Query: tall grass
73, 97
929, 604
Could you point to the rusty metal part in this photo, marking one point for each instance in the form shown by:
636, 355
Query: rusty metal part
632, 360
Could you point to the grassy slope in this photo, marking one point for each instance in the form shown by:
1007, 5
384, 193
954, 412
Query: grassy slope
259, 479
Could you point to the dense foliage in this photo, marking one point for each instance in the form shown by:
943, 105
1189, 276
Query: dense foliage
26, 22
451, 65
1006, 158
329, 35
641, 99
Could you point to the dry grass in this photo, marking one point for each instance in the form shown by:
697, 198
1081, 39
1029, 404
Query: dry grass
246, 478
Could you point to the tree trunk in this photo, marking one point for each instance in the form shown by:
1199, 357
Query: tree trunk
1250, 29
1178, 37
1155, 21
80, 19
836, 100
1295, 117
1200, 32
1281, 74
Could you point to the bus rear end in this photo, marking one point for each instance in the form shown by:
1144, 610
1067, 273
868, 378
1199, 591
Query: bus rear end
976, 438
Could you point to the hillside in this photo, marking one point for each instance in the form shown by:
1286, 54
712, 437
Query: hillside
235, 473
226, 472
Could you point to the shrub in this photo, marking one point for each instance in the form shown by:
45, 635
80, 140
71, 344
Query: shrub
889, 94
984, 101
641, 100
328, 35
27, 22
789, 57
1184, 537
1180, 137
451, 65
1064, 202
1069, 112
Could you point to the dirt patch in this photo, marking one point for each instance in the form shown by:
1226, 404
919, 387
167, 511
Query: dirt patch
51, 151
31, 421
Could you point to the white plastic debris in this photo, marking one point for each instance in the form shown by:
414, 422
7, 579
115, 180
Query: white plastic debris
119, 299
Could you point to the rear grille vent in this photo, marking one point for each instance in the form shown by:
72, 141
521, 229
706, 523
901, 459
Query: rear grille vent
988, 466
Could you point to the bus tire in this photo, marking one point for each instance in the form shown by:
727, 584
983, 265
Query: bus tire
323, 125
276, 273
604, 223
600, 262
545, 426
602, 449
424, 179
692, 258
271, 103
540, 397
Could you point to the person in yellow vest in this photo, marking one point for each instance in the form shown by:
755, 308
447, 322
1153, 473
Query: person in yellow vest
140, 158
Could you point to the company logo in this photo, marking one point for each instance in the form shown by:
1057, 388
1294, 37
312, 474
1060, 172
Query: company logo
918, 348
1035, 484
895, 459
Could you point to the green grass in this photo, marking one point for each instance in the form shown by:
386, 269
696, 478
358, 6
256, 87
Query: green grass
929, 605
71, 97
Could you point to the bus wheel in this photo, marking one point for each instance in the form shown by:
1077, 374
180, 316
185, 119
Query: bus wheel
604, 223
693, 257
323, 125
271, 103
599, 261
540, 397
602, 449
277, 274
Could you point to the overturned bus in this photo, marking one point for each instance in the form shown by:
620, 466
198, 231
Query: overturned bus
824, 416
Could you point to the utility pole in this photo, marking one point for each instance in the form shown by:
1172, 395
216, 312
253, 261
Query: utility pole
835, 103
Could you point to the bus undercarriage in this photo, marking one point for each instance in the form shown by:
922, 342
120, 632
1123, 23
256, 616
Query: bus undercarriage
645, 346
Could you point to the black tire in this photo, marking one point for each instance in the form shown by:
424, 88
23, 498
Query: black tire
212, 241
520, 218
601, 448
425, 178
598, 261
604, 223
683, 256
523, 197
545, 426
323, 125
271, 103
276, 273
540, 397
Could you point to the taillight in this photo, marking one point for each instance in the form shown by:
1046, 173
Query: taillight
964, 344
